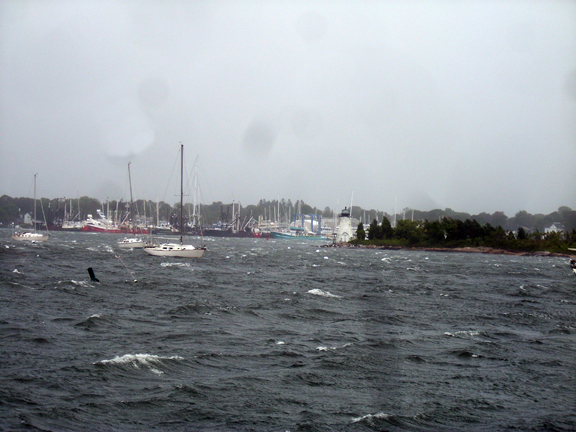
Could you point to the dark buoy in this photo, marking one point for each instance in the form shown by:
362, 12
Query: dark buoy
93, 278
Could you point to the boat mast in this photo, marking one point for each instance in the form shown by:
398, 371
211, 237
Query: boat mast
131, 200
34, 221
181, 188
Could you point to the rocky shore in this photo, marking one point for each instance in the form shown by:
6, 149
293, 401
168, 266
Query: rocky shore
480, 249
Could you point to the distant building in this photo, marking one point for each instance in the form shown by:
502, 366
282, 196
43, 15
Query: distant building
555, 227
345, 232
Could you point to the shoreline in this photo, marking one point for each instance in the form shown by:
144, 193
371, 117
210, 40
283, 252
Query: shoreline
468, 249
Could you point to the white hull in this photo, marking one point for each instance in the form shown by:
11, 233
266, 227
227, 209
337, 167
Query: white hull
131, 243
35, 237
175, 250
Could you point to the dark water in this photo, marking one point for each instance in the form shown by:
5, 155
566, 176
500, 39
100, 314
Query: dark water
283, 336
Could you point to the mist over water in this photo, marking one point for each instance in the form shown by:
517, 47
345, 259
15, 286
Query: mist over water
280, 335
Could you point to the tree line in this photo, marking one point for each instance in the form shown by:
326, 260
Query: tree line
412, 225
449, 232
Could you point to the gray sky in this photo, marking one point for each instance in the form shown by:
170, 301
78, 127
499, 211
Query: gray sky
463, 104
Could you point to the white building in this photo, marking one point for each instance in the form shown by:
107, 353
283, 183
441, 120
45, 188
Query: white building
345, 232
555, 227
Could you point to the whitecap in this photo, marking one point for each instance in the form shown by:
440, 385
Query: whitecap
334, 348
319, 292
323, 348
370, 417
463, 333
137, 360
16, 271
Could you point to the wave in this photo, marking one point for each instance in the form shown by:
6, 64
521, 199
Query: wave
333, 348
150, 362
463, 333
83, 283
94, 321
369, 419
321, 293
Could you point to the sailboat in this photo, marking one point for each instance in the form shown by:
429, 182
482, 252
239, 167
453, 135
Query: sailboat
131, 242
177, 249
32, 236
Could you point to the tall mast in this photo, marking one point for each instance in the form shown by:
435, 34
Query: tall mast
34, 221
131, 200
351, 200
181, 188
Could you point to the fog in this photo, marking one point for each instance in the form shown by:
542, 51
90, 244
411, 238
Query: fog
469, 105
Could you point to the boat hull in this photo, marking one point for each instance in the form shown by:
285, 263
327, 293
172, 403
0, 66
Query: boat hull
33, 237
92, 228
279, 235
175, 250
131, 243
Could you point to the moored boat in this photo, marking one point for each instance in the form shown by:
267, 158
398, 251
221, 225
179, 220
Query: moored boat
102, 225
32, 236
177, 249
131, 243
297, 234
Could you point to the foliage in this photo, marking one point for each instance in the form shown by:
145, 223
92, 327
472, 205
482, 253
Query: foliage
360, 233
451, 233
435, 228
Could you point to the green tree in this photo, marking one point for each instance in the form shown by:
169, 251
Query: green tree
499, 219
522, 234
360, 233
524, 219
386, 228
409, 230
374, 231
434, 232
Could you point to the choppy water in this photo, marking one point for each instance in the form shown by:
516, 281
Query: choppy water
280, 336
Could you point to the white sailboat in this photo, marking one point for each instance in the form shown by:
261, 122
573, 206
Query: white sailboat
131, 242
32, 236
177, 249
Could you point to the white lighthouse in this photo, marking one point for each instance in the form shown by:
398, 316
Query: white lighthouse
344, 227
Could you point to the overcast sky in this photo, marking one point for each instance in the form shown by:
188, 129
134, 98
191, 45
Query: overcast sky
469, 105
